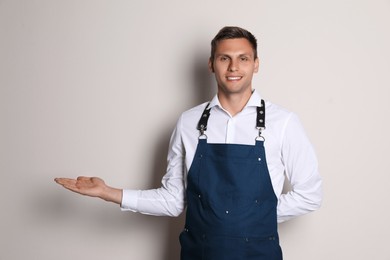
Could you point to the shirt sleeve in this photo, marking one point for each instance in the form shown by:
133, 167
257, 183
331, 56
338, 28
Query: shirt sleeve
301, 168
169, 199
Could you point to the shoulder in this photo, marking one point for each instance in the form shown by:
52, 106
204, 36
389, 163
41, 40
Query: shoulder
281, 123
195, 111
277, 114
189, 119
193, 114
284, 123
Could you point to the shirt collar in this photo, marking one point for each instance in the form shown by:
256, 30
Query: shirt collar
254, 100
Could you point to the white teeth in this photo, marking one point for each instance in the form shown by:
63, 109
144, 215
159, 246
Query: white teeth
233, 78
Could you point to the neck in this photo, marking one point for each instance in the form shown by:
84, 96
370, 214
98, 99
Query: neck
234, 103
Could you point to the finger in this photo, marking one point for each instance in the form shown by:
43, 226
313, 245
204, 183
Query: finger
69, 184
72, 187
84, 182
79, 188
63, 181
83, 178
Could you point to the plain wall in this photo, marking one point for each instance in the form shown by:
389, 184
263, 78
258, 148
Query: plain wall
95, 88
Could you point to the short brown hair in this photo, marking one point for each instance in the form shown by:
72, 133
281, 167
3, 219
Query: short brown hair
233, 32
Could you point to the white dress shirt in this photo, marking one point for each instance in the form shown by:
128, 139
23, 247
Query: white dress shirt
288, 154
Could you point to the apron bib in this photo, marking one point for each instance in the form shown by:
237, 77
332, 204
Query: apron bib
231, 204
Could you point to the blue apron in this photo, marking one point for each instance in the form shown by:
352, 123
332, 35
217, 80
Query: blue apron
231, 204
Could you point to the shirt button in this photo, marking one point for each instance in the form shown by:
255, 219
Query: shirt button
227, 211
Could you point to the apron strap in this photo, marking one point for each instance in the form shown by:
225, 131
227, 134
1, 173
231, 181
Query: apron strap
202, 125
260, 119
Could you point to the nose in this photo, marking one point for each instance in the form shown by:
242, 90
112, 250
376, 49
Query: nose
233, 66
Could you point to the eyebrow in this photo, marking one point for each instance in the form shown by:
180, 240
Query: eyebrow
246, 55
239, 55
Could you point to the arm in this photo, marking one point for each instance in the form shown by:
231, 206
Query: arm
301, 168
93, 187
168, 200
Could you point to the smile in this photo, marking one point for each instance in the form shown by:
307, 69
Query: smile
233, 78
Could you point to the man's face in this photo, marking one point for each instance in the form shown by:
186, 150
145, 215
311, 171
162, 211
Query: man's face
234, 65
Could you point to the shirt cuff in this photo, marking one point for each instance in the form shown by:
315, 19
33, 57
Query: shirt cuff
129, 200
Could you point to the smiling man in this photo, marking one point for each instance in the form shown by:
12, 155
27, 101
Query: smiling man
227, 162
234, 63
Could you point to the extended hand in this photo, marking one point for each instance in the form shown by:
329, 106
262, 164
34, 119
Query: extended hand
91, 186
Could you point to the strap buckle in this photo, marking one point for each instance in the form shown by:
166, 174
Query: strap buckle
260, 137
202, 125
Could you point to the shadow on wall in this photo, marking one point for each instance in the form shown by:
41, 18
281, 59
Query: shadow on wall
175, 225
203, 82
203, 90
48, 210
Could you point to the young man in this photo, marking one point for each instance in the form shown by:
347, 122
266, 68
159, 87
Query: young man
227, 163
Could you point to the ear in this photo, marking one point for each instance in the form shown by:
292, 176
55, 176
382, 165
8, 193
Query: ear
211, 66
257, 64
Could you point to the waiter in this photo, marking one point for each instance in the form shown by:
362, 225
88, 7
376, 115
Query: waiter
227, 162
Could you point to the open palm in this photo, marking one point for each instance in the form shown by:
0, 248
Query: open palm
90, 186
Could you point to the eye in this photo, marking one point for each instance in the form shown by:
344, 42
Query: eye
223, 58
244, 58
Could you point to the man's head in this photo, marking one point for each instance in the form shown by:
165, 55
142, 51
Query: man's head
234, 61
233, 32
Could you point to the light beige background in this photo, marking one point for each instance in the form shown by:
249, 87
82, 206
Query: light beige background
95, 88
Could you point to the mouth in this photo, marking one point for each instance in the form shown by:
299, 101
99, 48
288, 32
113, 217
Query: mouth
233, 78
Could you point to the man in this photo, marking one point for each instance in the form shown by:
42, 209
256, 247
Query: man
227, 163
